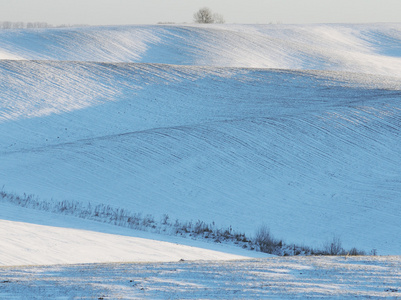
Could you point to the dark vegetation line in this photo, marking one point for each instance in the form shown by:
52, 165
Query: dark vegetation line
263, 240
28, 25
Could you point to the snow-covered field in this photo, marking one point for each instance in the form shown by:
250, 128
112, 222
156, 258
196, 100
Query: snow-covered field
41, 238
273, 278
292, 126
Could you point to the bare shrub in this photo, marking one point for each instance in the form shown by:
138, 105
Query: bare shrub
333, 247
165, 219
355, 252
265, 240
201, 227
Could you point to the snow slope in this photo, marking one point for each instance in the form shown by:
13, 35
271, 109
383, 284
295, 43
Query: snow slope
53, 239
368, 48
193, 122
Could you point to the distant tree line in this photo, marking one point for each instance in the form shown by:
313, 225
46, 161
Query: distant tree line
22, 25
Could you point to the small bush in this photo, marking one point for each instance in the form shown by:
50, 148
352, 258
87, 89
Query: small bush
165, 219
333, 247
201, 227
355, 252
265, 240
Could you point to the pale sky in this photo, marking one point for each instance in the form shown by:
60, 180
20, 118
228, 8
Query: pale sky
107, 12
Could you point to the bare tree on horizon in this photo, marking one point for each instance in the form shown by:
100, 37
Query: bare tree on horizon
205, 16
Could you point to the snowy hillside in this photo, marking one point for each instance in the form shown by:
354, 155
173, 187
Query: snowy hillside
297, 127
41, 238
372, 48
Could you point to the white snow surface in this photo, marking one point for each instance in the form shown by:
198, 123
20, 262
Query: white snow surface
50, 239
271, 278
365, 48
294, 126
52, 245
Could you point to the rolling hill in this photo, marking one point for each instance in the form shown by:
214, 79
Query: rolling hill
293, 126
